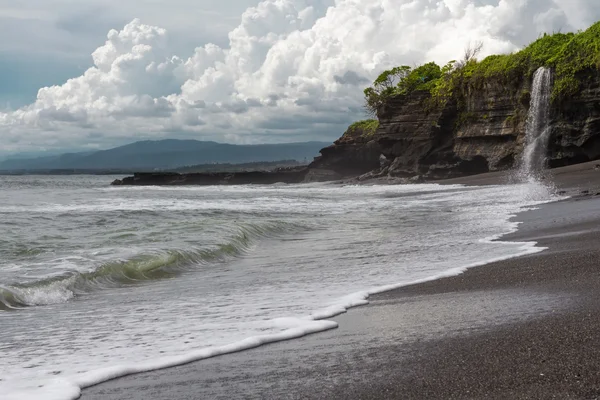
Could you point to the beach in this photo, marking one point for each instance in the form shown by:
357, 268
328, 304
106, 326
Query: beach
521, 328
271, 199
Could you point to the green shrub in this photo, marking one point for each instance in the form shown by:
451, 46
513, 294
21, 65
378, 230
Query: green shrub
384, 86
365, 129
400, 81
420, 78
568, 54
368, 127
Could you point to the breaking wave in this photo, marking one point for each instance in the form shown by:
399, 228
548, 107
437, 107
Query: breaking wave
137, 270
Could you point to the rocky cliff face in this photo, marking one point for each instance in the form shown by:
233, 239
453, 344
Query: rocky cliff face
482, 130
576, 125
416, 140
354, 154
492, 125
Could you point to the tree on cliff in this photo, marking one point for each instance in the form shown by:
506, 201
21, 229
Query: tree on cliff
400, 80
384, 87
470, 54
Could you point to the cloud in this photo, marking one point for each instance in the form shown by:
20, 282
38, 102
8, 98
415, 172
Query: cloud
351, 78
291, 66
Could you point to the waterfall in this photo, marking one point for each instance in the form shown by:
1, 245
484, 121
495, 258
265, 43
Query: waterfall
533, 158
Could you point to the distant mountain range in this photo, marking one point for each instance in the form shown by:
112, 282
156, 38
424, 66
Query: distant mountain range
167, 154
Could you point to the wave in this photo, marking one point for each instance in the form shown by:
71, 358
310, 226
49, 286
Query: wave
22, 251
292, 328
137, 270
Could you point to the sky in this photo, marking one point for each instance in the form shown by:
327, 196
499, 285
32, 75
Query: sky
99, 73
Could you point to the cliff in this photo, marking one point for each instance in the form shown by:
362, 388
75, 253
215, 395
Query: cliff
465, 118
575, 134
354, 154
438, 123
484, 133
483, 130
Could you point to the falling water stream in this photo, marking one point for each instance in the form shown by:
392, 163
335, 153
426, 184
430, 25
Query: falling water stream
533, 158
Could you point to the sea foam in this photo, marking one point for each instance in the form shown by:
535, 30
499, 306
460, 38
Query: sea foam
70, 388
380, 237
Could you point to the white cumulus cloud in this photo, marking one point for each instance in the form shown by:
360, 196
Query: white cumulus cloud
293, 70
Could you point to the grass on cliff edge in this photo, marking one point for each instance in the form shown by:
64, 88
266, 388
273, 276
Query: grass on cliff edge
365, 128
568, 54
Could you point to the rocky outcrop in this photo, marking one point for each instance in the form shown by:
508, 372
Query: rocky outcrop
354, 154
428, 142
417, 140
492, 125
482, 130
284, 175
575, 134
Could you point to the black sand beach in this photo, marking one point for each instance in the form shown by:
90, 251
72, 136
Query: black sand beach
526, 328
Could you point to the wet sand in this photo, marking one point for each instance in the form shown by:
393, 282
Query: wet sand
526, 328
573, 179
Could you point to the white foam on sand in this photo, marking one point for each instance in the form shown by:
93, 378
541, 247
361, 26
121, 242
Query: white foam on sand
70, 388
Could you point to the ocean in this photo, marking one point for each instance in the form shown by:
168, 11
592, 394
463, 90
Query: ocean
97, 282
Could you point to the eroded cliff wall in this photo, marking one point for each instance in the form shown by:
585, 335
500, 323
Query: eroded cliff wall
481, 130
576, 125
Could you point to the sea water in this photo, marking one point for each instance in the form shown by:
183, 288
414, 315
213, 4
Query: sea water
97, 282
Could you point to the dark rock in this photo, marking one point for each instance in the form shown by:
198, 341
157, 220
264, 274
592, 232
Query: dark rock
480, 130
384, 162
484, 131
372, 175
286, 175
479, 136
349, 159
418, 141
575, 134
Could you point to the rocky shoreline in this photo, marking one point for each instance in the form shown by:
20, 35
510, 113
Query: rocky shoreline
480, 130
413, 143
284, 175
514, 329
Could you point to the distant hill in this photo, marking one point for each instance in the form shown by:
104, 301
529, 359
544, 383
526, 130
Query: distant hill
168, 154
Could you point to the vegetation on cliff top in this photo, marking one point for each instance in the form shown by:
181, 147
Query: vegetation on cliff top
403, 80
568, 54
365, 129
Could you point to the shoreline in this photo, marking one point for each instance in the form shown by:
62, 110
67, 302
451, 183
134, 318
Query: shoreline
317, 322
161, 381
